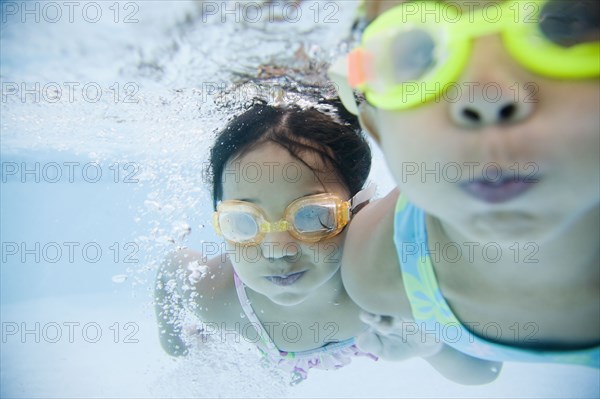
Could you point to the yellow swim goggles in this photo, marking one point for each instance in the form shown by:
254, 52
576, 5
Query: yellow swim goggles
415, 51
310, 219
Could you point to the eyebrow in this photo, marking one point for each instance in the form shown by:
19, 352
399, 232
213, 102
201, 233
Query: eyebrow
252, 200
257, 201
314, 192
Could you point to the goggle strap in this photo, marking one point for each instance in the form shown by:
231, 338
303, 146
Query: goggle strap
362, 196
338, 73
216, 225
356, 68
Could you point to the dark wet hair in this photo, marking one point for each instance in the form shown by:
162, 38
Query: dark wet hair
338, 140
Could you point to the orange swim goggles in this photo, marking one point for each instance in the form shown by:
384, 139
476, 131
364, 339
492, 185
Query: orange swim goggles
310, 219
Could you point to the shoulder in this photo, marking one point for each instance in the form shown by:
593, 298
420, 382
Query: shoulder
370, 267
207, 285
188, 267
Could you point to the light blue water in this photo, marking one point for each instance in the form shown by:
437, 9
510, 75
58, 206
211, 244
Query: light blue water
79, 255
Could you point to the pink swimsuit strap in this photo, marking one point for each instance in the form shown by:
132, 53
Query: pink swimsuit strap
330, 356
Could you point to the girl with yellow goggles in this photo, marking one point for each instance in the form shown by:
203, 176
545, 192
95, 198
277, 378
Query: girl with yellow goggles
414, 52
410, 55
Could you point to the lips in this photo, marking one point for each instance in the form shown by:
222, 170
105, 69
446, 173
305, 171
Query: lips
499, 190
285, 280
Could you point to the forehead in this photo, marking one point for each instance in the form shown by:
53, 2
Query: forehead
374, 8
469, 4
269, 170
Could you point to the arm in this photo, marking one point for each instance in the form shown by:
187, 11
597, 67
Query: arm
464, 369
168, 306
183, 284
370, 261
392, 338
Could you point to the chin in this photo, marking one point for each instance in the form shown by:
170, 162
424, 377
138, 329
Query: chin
288, 299
506, 229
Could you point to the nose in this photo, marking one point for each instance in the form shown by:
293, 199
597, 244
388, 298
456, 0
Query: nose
279, 245
480, 108
490, 91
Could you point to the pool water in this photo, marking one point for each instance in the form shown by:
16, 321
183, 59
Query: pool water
106, 120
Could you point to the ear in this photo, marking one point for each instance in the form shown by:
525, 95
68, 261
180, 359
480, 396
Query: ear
367, 115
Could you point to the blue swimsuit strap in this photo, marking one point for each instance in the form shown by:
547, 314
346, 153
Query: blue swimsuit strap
430, 309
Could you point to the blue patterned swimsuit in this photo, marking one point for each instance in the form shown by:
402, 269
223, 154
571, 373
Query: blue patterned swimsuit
432, 313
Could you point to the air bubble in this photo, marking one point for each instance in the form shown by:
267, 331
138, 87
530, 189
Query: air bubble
119, 278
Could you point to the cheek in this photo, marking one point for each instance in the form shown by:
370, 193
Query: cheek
414, 135
571, 104
567, 127
325, 253
415, 142
244, 259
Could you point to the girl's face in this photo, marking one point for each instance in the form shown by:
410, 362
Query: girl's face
492, 170
282, 268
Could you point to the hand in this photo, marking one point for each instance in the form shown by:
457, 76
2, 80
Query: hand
394, 338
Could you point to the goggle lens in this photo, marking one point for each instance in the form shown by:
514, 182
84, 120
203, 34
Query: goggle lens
238, 226
412, 55
315, 219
